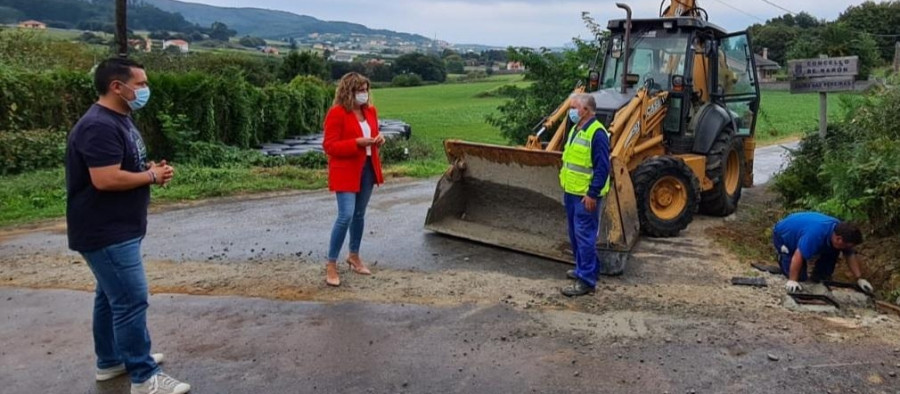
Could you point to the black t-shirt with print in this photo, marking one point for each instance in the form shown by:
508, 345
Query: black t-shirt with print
97, 219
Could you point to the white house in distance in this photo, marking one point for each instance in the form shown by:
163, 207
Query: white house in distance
347, 56
515, 66
181, 44
32, 24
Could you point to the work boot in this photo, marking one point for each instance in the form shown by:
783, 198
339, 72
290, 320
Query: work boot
160, 384
578, 288
104, 374
571, 274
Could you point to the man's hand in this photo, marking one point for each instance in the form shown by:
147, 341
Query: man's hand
792, 286
379, 141
865, 286
589, 203
164, 172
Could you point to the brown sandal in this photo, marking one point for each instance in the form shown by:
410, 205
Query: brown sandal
358, 267
331, 275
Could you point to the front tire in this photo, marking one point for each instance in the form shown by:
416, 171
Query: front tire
725, 167
668, 195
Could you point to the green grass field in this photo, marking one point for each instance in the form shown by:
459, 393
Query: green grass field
786, 115
438, 112
455, 111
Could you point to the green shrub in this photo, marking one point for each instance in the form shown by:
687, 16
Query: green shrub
203, 107
35, 50
314, 160
406, 80
258, 70
31, 150
396, 150
854, 173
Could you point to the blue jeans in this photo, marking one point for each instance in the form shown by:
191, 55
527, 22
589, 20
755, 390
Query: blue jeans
583, 228
352, 214
822, 270
120, 309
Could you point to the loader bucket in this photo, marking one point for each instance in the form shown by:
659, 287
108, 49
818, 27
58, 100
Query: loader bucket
510, 197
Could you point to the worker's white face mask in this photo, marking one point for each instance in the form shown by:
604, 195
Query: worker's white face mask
362, 98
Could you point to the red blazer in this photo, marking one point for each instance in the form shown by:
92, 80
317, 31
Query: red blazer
345, 158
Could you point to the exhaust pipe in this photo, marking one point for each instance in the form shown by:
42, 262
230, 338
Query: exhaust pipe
627, 44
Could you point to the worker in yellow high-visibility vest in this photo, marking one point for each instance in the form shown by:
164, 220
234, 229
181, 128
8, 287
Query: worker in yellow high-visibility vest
584, 177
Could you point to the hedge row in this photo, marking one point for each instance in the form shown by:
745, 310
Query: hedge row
183, 107
31, 150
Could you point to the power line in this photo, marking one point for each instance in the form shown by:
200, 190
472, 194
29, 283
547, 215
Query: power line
740, 10
779, 7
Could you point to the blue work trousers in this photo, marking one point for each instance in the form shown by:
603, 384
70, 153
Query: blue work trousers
822, 270
583, 228
352, 214
120, 309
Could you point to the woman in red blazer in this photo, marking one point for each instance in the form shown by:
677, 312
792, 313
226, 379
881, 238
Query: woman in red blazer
351, 143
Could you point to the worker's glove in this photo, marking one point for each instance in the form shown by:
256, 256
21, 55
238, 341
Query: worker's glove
865, 286
792, 286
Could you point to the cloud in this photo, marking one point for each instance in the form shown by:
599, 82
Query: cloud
521, 22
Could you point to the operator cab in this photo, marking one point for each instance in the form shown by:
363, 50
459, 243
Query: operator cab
696, 62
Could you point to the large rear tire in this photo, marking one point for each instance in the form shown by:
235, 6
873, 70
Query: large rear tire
668, 195
725, 167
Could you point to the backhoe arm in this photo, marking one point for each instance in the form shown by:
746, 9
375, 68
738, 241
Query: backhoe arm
678, 8
555, 144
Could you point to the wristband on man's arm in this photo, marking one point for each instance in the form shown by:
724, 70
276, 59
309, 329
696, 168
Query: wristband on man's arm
152, 177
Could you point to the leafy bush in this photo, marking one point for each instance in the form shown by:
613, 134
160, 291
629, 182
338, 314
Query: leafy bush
314, 160
406, 80
854, 173
396, 150
508, 91
257, 70
202, 107
31, 150
42, 100
33, 50
554, 75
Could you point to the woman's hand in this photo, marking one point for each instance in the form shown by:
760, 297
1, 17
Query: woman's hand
363, 142
379, 141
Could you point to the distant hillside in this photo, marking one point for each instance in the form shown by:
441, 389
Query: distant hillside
92, 15
268, 23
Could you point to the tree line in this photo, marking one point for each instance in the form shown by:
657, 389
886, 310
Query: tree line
867, 30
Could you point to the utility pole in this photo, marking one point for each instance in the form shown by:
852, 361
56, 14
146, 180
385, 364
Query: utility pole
122, 28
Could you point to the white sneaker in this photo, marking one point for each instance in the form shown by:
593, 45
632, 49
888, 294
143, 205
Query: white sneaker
160, 384
119, 370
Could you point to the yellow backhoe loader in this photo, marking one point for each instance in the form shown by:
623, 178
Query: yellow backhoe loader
679, 97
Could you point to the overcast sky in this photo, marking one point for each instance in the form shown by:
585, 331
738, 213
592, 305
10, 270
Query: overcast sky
531, 23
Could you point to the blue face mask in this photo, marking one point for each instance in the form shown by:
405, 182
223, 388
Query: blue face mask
573, 115
141, 97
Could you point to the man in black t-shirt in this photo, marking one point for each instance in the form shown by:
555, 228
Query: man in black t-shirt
108, 182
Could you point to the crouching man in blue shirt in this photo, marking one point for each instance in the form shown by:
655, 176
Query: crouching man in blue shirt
802, 236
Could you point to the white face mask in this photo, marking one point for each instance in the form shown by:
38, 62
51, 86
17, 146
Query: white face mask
362, 98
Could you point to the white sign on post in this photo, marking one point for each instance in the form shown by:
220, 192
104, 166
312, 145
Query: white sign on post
828, 74
825, 67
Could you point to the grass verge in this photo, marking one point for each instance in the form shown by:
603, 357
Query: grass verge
41, 194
